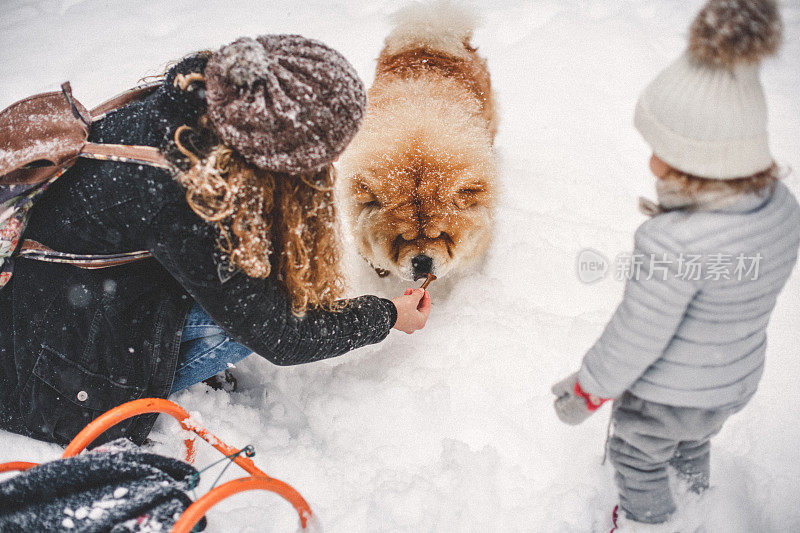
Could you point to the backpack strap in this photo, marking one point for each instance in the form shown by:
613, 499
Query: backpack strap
123, 99
35, 250
145, 155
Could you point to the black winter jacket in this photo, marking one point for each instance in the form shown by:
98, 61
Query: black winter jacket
75, 343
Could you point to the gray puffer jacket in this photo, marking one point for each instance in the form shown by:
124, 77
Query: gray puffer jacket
691, 328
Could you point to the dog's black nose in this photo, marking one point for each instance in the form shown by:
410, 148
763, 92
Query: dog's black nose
422, 266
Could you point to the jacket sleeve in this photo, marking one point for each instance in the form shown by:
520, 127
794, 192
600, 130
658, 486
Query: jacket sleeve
655, 301
256, 312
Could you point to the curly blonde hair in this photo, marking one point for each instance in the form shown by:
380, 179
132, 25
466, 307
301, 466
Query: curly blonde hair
760, 183
267, 222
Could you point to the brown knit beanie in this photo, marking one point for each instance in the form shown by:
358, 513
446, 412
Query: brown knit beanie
284, 102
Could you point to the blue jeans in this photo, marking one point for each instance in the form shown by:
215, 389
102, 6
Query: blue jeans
205, 350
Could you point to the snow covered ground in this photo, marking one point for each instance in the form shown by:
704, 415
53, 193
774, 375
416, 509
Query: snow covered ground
451, 429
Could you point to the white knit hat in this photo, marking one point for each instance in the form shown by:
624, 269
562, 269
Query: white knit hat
705, 114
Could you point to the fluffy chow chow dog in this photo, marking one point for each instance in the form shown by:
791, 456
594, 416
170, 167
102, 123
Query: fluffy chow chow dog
419, 178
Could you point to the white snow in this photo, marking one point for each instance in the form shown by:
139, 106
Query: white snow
452, 429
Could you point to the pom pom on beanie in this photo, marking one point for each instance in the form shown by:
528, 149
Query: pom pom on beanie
726, 33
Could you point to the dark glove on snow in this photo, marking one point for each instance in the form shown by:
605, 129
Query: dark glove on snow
572, 404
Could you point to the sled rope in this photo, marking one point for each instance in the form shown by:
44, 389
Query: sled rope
248, 451
608, 438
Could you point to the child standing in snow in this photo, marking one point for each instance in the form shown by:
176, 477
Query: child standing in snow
685, 348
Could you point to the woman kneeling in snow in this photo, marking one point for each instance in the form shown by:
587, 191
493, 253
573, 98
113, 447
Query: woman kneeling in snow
243, 236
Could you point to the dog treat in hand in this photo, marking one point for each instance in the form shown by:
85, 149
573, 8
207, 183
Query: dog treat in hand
430, 278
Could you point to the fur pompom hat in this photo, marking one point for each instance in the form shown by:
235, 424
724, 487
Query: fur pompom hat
284, 102
706, 114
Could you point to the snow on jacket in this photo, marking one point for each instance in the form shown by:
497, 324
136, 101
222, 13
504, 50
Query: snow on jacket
684, 339
74, 342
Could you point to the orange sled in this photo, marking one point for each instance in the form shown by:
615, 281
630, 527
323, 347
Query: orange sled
257, 480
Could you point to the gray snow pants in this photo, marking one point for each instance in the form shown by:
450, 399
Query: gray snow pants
648, 437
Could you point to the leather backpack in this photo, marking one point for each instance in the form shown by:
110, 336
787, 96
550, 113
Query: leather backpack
41, 137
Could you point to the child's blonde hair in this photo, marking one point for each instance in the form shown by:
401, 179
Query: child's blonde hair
697, 187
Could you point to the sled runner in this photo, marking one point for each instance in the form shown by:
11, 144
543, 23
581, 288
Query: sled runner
41, 137
256, 480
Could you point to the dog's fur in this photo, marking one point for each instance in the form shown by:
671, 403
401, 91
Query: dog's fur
419, 178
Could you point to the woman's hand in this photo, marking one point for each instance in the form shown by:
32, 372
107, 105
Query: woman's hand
413, 309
